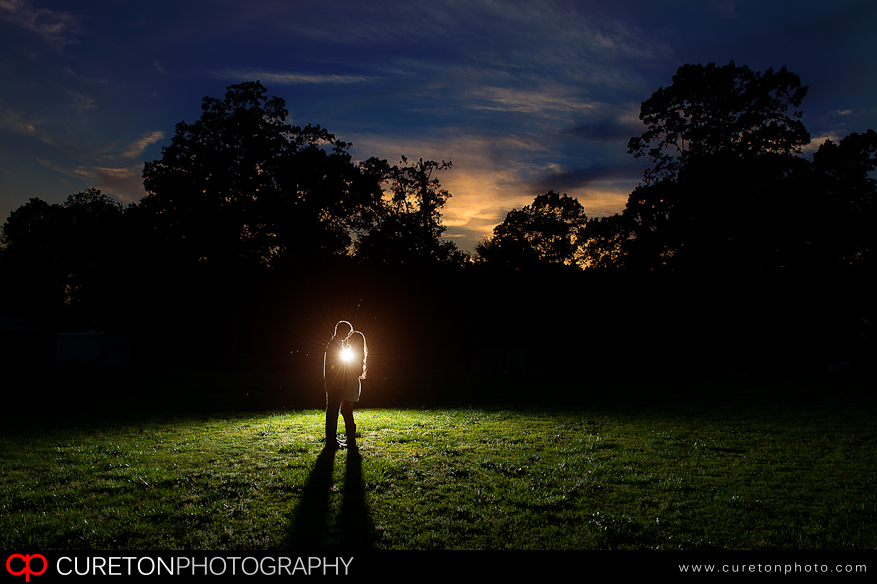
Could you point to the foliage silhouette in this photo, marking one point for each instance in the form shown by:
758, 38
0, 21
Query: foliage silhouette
66, 255
240, 203
711, 110
728, 188
756, 214
408, 227
235, 254
844, 173
549, 230
242, 186
606, 242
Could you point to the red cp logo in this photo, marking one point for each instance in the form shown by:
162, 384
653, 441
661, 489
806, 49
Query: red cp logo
27, 569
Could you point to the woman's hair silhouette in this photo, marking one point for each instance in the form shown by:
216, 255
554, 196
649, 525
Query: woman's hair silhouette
364, 353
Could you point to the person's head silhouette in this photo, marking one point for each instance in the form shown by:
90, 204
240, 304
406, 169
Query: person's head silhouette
343, 330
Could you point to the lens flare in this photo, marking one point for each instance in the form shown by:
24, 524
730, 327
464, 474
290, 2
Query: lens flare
347, 354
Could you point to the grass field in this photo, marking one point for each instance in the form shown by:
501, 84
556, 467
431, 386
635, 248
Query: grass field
721, 464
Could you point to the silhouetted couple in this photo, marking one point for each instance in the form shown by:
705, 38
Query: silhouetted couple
344, 365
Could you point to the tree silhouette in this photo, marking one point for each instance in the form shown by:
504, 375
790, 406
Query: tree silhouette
844, 173
711, 110
606, 242
408, 227
240, 186
550, 230
64, 254
728, 188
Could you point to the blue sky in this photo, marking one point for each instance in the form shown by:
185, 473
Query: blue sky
522, 97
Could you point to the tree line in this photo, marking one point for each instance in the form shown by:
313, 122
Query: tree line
245, 209
725, 188
237, 191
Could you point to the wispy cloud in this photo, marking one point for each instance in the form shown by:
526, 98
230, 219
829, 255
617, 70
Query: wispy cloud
520, 29
542, 100
124, 182
115, 176
137, 147
110, 168
57, 27
81, 103
17, 123
288, 78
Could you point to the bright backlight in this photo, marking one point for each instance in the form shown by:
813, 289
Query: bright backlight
347, 354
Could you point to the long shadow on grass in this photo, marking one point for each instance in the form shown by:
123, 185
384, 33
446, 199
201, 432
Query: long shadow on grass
313, 527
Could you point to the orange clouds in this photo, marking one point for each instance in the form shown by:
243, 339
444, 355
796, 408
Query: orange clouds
488, 178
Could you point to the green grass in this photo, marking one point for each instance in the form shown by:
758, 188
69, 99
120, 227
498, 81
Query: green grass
718, 465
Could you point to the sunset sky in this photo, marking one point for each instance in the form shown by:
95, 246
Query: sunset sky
522, 97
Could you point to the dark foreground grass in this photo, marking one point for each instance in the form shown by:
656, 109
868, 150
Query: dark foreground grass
717, 465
